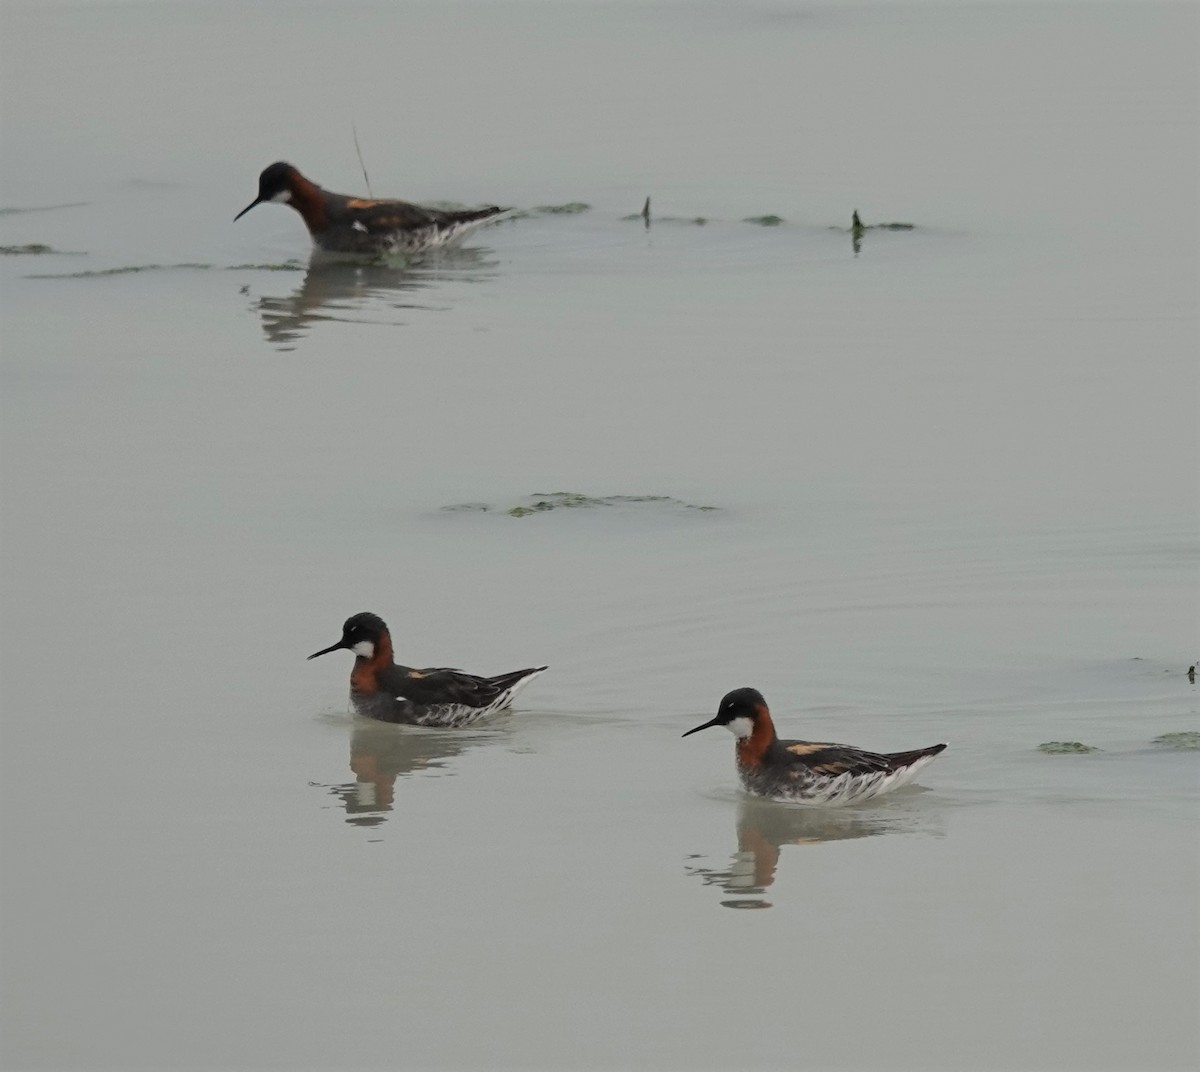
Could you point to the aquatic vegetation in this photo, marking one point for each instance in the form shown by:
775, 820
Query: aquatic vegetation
571, 500
857, 227
125, 270
1063, 748
696, 221
1183, 741
17, 211
555, 500
450, 206
644, 215
571, 208
542, 502
283, 266
38, 249
764, 221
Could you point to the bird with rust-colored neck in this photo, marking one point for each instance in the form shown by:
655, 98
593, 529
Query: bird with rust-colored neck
803, 772
339, 223
381, 689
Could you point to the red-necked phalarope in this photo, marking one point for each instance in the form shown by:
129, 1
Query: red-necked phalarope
342, 224
803, 772
434, 697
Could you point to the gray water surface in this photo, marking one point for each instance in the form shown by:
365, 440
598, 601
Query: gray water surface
955, 478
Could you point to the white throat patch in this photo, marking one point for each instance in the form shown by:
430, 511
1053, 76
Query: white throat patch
364, 649
741, 727
284, 195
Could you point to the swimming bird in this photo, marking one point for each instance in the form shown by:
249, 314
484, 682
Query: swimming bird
440, 696
803, 772
339, 223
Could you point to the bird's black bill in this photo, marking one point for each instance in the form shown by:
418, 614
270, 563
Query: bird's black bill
256, 201
326, 651
711, 722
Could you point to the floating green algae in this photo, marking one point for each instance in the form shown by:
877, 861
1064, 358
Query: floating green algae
282, 266
543, 502
694, 221
444, 206
1184, 741
857, 227
570, 208
573, 500
555, 500
96, 272
457, 206
1064, 748
764, 221
14, 210
38, 249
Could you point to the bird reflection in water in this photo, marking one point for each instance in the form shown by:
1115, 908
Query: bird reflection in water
764, 827
381, 752
365, 292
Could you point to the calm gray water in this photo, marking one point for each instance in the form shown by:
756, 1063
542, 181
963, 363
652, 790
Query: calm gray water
956, 478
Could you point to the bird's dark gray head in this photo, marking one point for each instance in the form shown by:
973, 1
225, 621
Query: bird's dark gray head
738, 712
361, 634
274, 184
